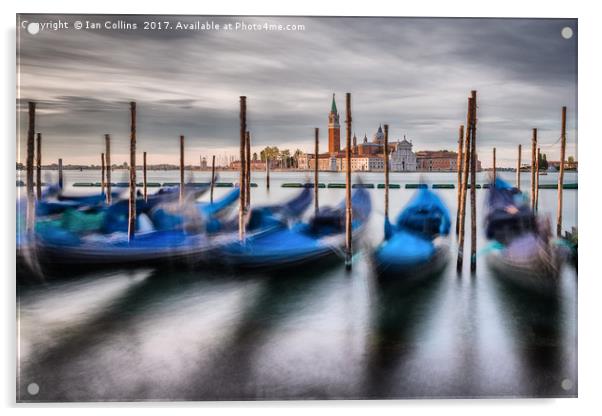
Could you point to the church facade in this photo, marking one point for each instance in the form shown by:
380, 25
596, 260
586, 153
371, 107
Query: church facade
402, 158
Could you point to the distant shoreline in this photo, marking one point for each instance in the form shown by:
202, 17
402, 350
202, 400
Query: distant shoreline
222, 169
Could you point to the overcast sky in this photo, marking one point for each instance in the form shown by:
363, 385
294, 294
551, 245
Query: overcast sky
414, 74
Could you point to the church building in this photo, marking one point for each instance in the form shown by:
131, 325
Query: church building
402, 159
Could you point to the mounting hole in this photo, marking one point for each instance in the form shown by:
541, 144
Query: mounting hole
566, 32
566, 384
33, 28
33, 389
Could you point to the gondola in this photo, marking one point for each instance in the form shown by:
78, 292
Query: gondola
46, 207
150, 245
416, 245
521, 250
301, 243
88, 213
61, 203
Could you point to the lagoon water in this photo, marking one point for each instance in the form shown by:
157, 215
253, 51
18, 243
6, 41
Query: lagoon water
315, 333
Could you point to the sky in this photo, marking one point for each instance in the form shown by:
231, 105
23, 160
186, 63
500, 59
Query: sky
414, 74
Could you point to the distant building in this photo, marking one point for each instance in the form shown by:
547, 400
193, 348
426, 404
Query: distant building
554, 165
255, 165
204, 163
325, 162
402, 159
363, 163
368, 155
439, 161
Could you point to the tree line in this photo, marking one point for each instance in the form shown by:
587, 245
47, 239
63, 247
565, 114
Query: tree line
280, 157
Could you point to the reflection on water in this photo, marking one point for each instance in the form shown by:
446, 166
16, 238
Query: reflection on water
320, 332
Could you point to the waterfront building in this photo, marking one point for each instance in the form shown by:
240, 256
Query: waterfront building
363, 163
554, 165
368, 155
402, 159
255, 165
439, 161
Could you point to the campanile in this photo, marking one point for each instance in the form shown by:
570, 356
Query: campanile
334, 129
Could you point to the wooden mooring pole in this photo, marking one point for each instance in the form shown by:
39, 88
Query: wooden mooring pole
561, 173
61, 174
108, 160
181, 169
464, 187
494, 168
459, 168
518, 167
242, 198
316, 181
212, 178
144, 182
473, 185
132, 202
39, 166
349, 208
267, 172
102, 173
29, 167
248, 170
533, 167
537, 179
386, 166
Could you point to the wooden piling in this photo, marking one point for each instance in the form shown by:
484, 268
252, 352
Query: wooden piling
494, 168
248, 171
459, 168
464, 187
533, 167
349, 208
561, 173
242, 198
109, 167
316, 182
132, 201
181, 169
144, 175
473, 183
267, 172
212, 179
102, 173
537, 180
386, 166
39, 166
518, 167
61, 174
30, 219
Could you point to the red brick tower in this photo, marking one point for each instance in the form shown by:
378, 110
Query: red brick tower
334, 129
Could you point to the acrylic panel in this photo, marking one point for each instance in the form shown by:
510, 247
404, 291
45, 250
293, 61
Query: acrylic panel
293, 208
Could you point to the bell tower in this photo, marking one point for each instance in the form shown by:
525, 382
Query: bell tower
334, 129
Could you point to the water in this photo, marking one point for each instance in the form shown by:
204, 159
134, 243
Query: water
315, 333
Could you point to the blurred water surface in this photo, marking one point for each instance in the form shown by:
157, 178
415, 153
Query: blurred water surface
315, 333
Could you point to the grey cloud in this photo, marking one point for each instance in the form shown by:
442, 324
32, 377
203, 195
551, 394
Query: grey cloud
413, 73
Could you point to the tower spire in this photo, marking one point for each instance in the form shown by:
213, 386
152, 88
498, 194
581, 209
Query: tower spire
333, 107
